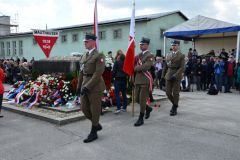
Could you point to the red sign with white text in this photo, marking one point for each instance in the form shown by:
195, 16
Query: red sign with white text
46, 40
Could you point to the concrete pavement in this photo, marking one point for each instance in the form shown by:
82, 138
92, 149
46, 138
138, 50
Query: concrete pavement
206, 128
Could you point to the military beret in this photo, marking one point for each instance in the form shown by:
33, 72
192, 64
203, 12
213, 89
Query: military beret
89, 37
144, 41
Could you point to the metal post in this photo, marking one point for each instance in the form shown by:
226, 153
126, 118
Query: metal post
164, 46
238, 45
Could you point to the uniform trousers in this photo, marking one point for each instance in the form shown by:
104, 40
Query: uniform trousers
141, 95
172, 91
91, 106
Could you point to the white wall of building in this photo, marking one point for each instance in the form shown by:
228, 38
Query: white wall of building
203, 46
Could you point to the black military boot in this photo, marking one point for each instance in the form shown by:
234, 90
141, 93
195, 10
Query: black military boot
99, 127
148, 111
173, 111
92, 136
140, 120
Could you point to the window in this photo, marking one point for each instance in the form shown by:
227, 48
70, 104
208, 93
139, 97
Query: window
8, 49
162, 32
117, 34
2, 49
20, 45
34, 41
64, 38
75, 37
14, 48
102, 35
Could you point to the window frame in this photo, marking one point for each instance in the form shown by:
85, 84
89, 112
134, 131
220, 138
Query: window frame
64, 38
14, 48
75, 37
102, 35
2, 49
117, 33
8, 48
20, 47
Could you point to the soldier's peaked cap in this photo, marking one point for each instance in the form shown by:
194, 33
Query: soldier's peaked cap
144, 40
175, 42
89, 37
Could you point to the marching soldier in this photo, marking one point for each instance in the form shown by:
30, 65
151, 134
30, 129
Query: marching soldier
143, 80
172, 74
91, 85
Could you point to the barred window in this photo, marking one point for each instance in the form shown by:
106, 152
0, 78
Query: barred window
2, 49
75, 37
117, 34
20, 45
8, 48
102, 35
14, 48
64, 38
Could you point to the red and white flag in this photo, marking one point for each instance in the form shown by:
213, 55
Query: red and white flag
128, 66
96, 25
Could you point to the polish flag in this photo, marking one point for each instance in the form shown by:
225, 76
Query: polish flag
96, 25
128, 66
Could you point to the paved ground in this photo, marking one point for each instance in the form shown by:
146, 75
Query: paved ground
206, 128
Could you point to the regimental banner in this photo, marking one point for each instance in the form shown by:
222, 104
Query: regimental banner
46, 40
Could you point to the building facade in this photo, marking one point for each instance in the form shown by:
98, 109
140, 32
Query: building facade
113, 35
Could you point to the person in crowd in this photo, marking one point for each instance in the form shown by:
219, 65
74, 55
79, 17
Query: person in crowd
224, 55
218, 72
91, 85
1, 87
158, 71
143, 79
212, 53
172, 73
25, 71
107, 74
194, 54
188, 73
18, 60
237, 72
229, 74
233, 53
190, 53
16, 73
32, 60
210, 72
23, 60
204, 75
9, 71
120, 82
111, 56
197, 72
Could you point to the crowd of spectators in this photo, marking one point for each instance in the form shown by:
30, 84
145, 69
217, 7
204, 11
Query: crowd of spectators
203, 71
16, 69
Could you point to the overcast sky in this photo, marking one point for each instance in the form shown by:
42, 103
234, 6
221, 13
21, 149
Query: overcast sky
35, 14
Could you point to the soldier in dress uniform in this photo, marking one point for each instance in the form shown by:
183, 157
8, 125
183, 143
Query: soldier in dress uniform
172, 74
91, 85
143, 79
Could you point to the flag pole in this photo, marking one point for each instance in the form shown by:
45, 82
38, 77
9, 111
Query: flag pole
95, 30
128, 66
133, 96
